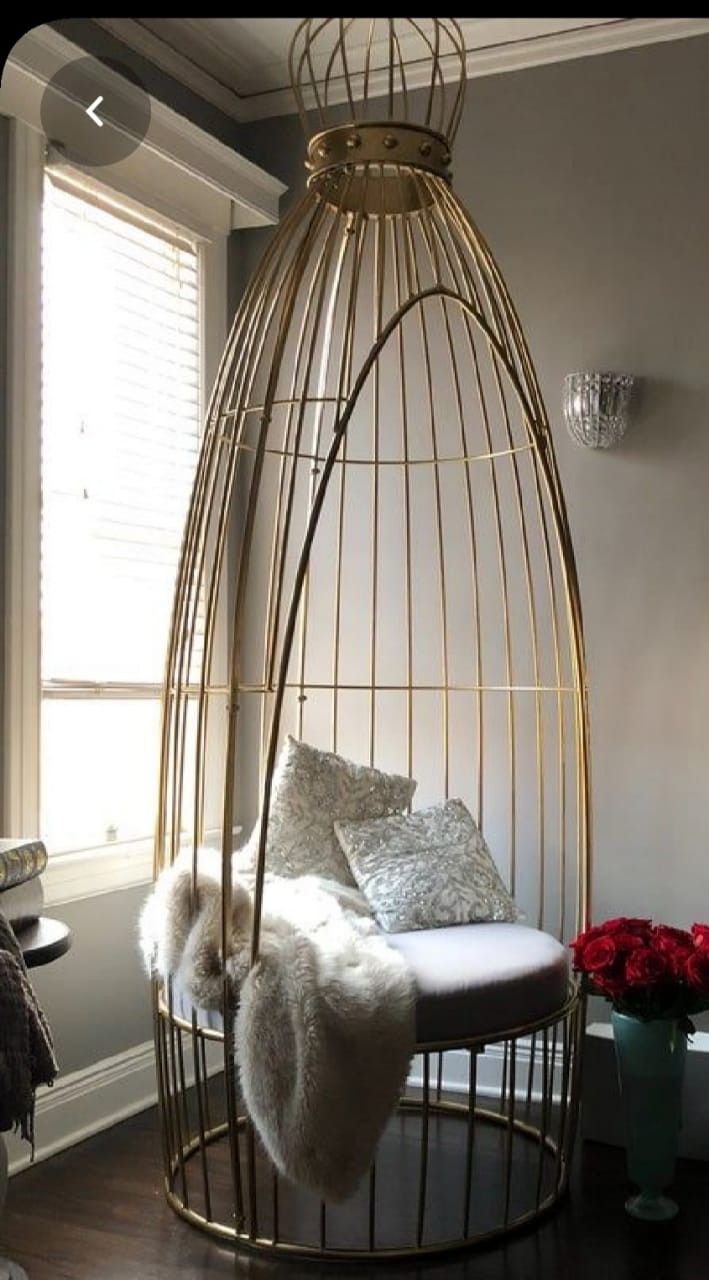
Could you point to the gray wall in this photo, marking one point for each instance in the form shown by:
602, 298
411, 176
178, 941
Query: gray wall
591, 180
97, 997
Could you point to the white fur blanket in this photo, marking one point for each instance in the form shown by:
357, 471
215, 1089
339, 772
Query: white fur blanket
325, 1020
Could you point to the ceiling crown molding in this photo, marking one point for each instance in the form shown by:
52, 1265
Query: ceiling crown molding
131, 32
533, 47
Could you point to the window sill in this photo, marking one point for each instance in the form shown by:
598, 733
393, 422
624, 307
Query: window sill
88, 873
92, 872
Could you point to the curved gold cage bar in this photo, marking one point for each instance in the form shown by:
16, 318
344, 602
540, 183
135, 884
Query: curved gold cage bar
377, 558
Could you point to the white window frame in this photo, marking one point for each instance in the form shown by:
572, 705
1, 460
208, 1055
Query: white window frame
205, 204
84, 872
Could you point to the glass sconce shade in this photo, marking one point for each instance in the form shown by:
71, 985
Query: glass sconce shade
596, 407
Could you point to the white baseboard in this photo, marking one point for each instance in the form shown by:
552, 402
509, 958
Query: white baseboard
490, 1067
601, 1111
84, 1102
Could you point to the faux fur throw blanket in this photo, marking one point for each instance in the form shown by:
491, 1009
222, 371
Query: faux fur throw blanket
26, 1050
325, 1020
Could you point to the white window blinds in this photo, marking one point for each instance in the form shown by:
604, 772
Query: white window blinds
121, 415
121, 408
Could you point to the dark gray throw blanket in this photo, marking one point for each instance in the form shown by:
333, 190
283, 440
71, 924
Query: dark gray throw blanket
26, 1049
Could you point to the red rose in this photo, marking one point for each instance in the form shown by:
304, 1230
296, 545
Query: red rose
668, 940
599, 954
580, 943
627, 924
626, 931
588, 935
700, 936
675, 945
678, 961
627, 941
645, 967
697, 970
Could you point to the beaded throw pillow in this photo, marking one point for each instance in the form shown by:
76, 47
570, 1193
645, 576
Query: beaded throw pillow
311, 790
426, 869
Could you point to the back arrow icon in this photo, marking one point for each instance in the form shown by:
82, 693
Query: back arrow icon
91, 111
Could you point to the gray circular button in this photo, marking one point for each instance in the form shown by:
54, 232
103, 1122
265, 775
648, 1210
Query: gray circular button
95, 111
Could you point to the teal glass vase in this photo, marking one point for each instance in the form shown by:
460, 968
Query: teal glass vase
651, 1058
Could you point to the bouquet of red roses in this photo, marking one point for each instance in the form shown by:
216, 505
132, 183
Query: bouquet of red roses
647, 970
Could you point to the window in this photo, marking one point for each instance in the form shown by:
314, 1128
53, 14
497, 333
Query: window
89, 569
121, 411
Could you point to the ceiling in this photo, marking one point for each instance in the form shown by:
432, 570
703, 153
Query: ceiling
241, 64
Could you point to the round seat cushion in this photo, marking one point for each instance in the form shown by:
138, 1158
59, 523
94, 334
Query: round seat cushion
481, 979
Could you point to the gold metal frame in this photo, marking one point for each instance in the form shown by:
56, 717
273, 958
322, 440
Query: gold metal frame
378, 528
534, 1110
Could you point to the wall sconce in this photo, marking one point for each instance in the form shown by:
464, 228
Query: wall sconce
596, 407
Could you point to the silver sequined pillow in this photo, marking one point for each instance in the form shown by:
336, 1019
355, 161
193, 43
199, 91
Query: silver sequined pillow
426, 869
311, 790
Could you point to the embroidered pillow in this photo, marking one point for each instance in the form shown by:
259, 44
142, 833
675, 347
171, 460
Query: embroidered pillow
311, 790
426, 869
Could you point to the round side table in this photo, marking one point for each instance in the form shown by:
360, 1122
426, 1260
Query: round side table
42, 941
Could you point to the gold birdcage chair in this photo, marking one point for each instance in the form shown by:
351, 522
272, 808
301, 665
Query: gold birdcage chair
377, 559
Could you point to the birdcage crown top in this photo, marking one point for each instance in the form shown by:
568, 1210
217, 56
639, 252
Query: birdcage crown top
405, 70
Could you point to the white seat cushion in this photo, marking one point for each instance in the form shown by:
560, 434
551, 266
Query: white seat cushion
472, 979
475, 979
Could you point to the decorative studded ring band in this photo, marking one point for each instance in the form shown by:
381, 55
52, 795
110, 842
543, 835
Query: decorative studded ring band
379, 143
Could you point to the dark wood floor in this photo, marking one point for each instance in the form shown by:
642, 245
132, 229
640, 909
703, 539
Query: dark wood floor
97, 1213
